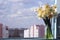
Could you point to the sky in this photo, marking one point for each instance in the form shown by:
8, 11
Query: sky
20, 13
58, 6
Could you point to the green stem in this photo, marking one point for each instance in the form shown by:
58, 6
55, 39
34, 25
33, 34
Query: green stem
49, 31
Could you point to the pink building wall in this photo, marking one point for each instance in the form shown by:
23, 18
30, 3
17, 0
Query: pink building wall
41, 29
1, 25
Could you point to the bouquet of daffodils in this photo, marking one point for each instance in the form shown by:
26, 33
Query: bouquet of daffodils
46, 12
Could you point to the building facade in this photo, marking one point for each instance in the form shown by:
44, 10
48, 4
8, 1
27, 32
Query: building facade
1, 25
5, 31
16, 33
35, 31
56, 21
58, 27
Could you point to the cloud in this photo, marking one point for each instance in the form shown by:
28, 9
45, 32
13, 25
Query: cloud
23, 13
15, 0
15, 12
33, 8
28, 17
18, 5
22, 0
1, 16
18, 13
53, 0
40, 3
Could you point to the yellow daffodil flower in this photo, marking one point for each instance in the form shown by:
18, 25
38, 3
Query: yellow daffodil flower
46, 11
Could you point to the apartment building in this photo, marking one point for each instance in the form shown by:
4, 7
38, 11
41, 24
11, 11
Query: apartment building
35, 31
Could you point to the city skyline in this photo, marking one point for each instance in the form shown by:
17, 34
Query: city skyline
20, 13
